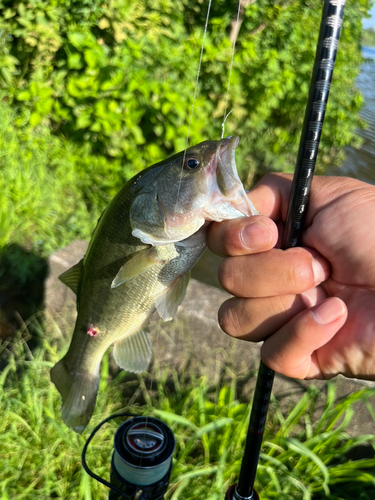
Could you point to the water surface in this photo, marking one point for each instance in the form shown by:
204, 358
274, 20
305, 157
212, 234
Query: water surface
360, 163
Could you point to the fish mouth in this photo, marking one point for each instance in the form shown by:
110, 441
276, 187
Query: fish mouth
227, 179
226, 169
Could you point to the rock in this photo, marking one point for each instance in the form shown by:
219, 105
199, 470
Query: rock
60, 301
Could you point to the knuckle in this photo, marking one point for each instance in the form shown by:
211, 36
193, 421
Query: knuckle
231, 241
271, 358
273, 177
285, 308
281, 304
277, 361
224, 275
229, 276
299, 270
229, 322
225, 238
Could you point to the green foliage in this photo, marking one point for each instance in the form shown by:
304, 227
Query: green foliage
305, 452
51, 191
121, 75
94, 91
115, 75
368, 37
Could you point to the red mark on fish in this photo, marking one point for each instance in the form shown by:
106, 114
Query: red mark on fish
92, 331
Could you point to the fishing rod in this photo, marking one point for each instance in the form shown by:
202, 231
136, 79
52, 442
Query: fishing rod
325, 58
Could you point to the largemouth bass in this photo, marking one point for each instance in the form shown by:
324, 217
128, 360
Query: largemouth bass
139, 259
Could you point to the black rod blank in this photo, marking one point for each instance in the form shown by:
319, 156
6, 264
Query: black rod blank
325, 58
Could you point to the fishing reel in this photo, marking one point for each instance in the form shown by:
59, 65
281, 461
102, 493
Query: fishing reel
141, 461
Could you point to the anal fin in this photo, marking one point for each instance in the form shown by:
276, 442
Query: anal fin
133, 353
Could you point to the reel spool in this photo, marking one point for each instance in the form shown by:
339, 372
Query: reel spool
142, 458
141, 461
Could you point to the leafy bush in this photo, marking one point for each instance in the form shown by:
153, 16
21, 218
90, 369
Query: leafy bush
116, 75
92, 92
120, 75
368, 37
51, 191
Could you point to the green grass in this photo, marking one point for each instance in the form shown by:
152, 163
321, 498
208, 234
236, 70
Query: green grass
51, 191
303, 457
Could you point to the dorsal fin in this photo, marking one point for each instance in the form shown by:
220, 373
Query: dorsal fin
72, 276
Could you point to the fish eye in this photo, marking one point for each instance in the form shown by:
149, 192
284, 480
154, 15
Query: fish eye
191, 163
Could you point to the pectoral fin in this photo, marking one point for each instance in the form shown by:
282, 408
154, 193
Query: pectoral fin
133, 353
72, 276
167, 303
137, 264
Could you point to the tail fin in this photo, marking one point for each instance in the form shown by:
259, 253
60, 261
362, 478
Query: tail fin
78, 392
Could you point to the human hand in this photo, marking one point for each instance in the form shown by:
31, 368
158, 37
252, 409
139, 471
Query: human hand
314, 306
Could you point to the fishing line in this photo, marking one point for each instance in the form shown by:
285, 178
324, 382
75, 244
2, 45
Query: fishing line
197, 81
223, 124
194, 97
188, 132
230, 70
198, 74
192, 112
193, 105
189, 125
84, 452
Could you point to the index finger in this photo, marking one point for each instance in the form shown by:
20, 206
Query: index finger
271, 195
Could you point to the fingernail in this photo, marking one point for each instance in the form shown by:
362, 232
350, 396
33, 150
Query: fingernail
328, 311
318, 270
255, 235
